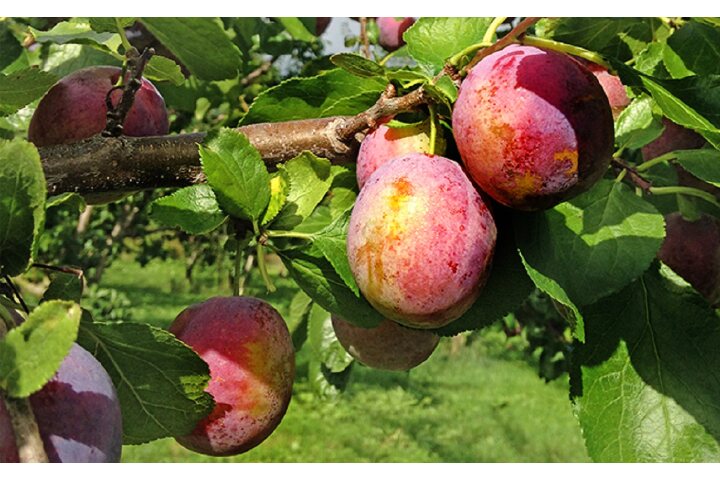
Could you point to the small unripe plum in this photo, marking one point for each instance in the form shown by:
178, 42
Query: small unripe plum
692, 250
420, 241
248, 348
533, 127
383, 143
389, 346
674, 137
77, 413
391, 31
612, 86
74, 109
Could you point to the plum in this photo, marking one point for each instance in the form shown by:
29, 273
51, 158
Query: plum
612, 86
420, 241
692, 250
250, 353
77, 412
389, 346
533, 127
74, 109
674, 137
383, 143
391, 31
321, 24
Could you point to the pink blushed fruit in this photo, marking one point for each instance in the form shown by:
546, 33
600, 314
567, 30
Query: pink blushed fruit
391, 31
420, 241
389, 346
74, 109
533, 127
612, 86
250, 353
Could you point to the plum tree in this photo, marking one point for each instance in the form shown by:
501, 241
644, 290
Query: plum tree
420, 240
533, 127
612, 86
77, 412
673, 137
74, 109
383, 143
250, 353
391, 31
389, 346
692, 250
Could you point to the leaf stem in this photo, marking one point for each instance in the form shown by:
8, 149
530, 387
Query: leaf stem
455, 59
387, 57
693, 192
565, 48
655, 161
433, 128
492, 29
284, 234
123, 37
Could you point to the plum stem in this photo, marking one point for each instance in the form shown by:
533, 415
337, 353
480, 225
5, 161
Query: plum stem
511, 37
457, 58
123, 37
433, 128
693, 192
565, 48
492, 29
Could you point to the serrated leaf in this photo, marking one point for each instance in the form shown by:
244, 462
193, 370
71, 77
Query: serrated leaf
110, 24
162, 69
637, 126
703, 163
64, 59
335, 92
698, 47
641, 386
357, 65
237, 174
22, 204
160, 381
64, 286
200, 43
309, 177
432, 40
674, 64
317, 278
279, 188
71, 199
593, 245
22, 87
332, 242
296, 29
193, 209
507, 287
325, 345
31, 353
77, 31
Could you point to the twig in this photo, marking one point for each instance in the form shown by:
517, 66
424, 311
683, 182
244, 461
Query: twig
116, 114
636, 178
16, 293
255, 74
511, 37
72, 271
364, 37
27, 435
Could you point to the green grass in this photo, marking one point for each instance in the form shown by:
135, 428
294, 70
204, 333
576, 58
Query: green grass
483, 404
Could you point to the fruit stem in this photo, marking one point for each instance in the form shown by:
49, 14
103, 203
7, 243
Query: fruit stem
565, 48
387, 57
655, 161
259, 248
283, 234
455, 59
492, 29
123, 37
433, 128
693, 192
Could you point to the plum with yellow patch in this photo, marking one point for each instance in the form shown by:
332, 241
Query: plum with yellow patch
389, 346
248, 348
384, 142
533, 127
420, 241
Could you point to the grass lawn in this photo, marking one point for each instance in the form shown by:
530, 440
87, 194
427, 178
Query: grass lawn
482, 404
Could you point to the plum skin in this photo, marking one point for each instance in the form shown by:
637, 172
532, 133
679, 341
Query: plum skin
391, 31
74, 109
533, 127
612, 86
248, 348
692, 250
673, 137
383, 143
77, 412
420, 241
389, 346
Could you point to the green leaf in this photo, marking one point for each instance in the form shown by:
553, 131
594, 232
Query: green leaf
77, 31
593, 245
22, 201
698, 47
64, 59
432, 40
674, 64
644, 382
71, 199
237, 174
200, 43
10, 48
357, 65
343, 190
335, 92
162, 69
703, 163
110, 24
332, 242
637, 126
310, 179
160, 381
64, 286
323, 342
325, 383
507, 287
22, 87
279, 188
318, 278
193, 209
296, 29
31, 353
